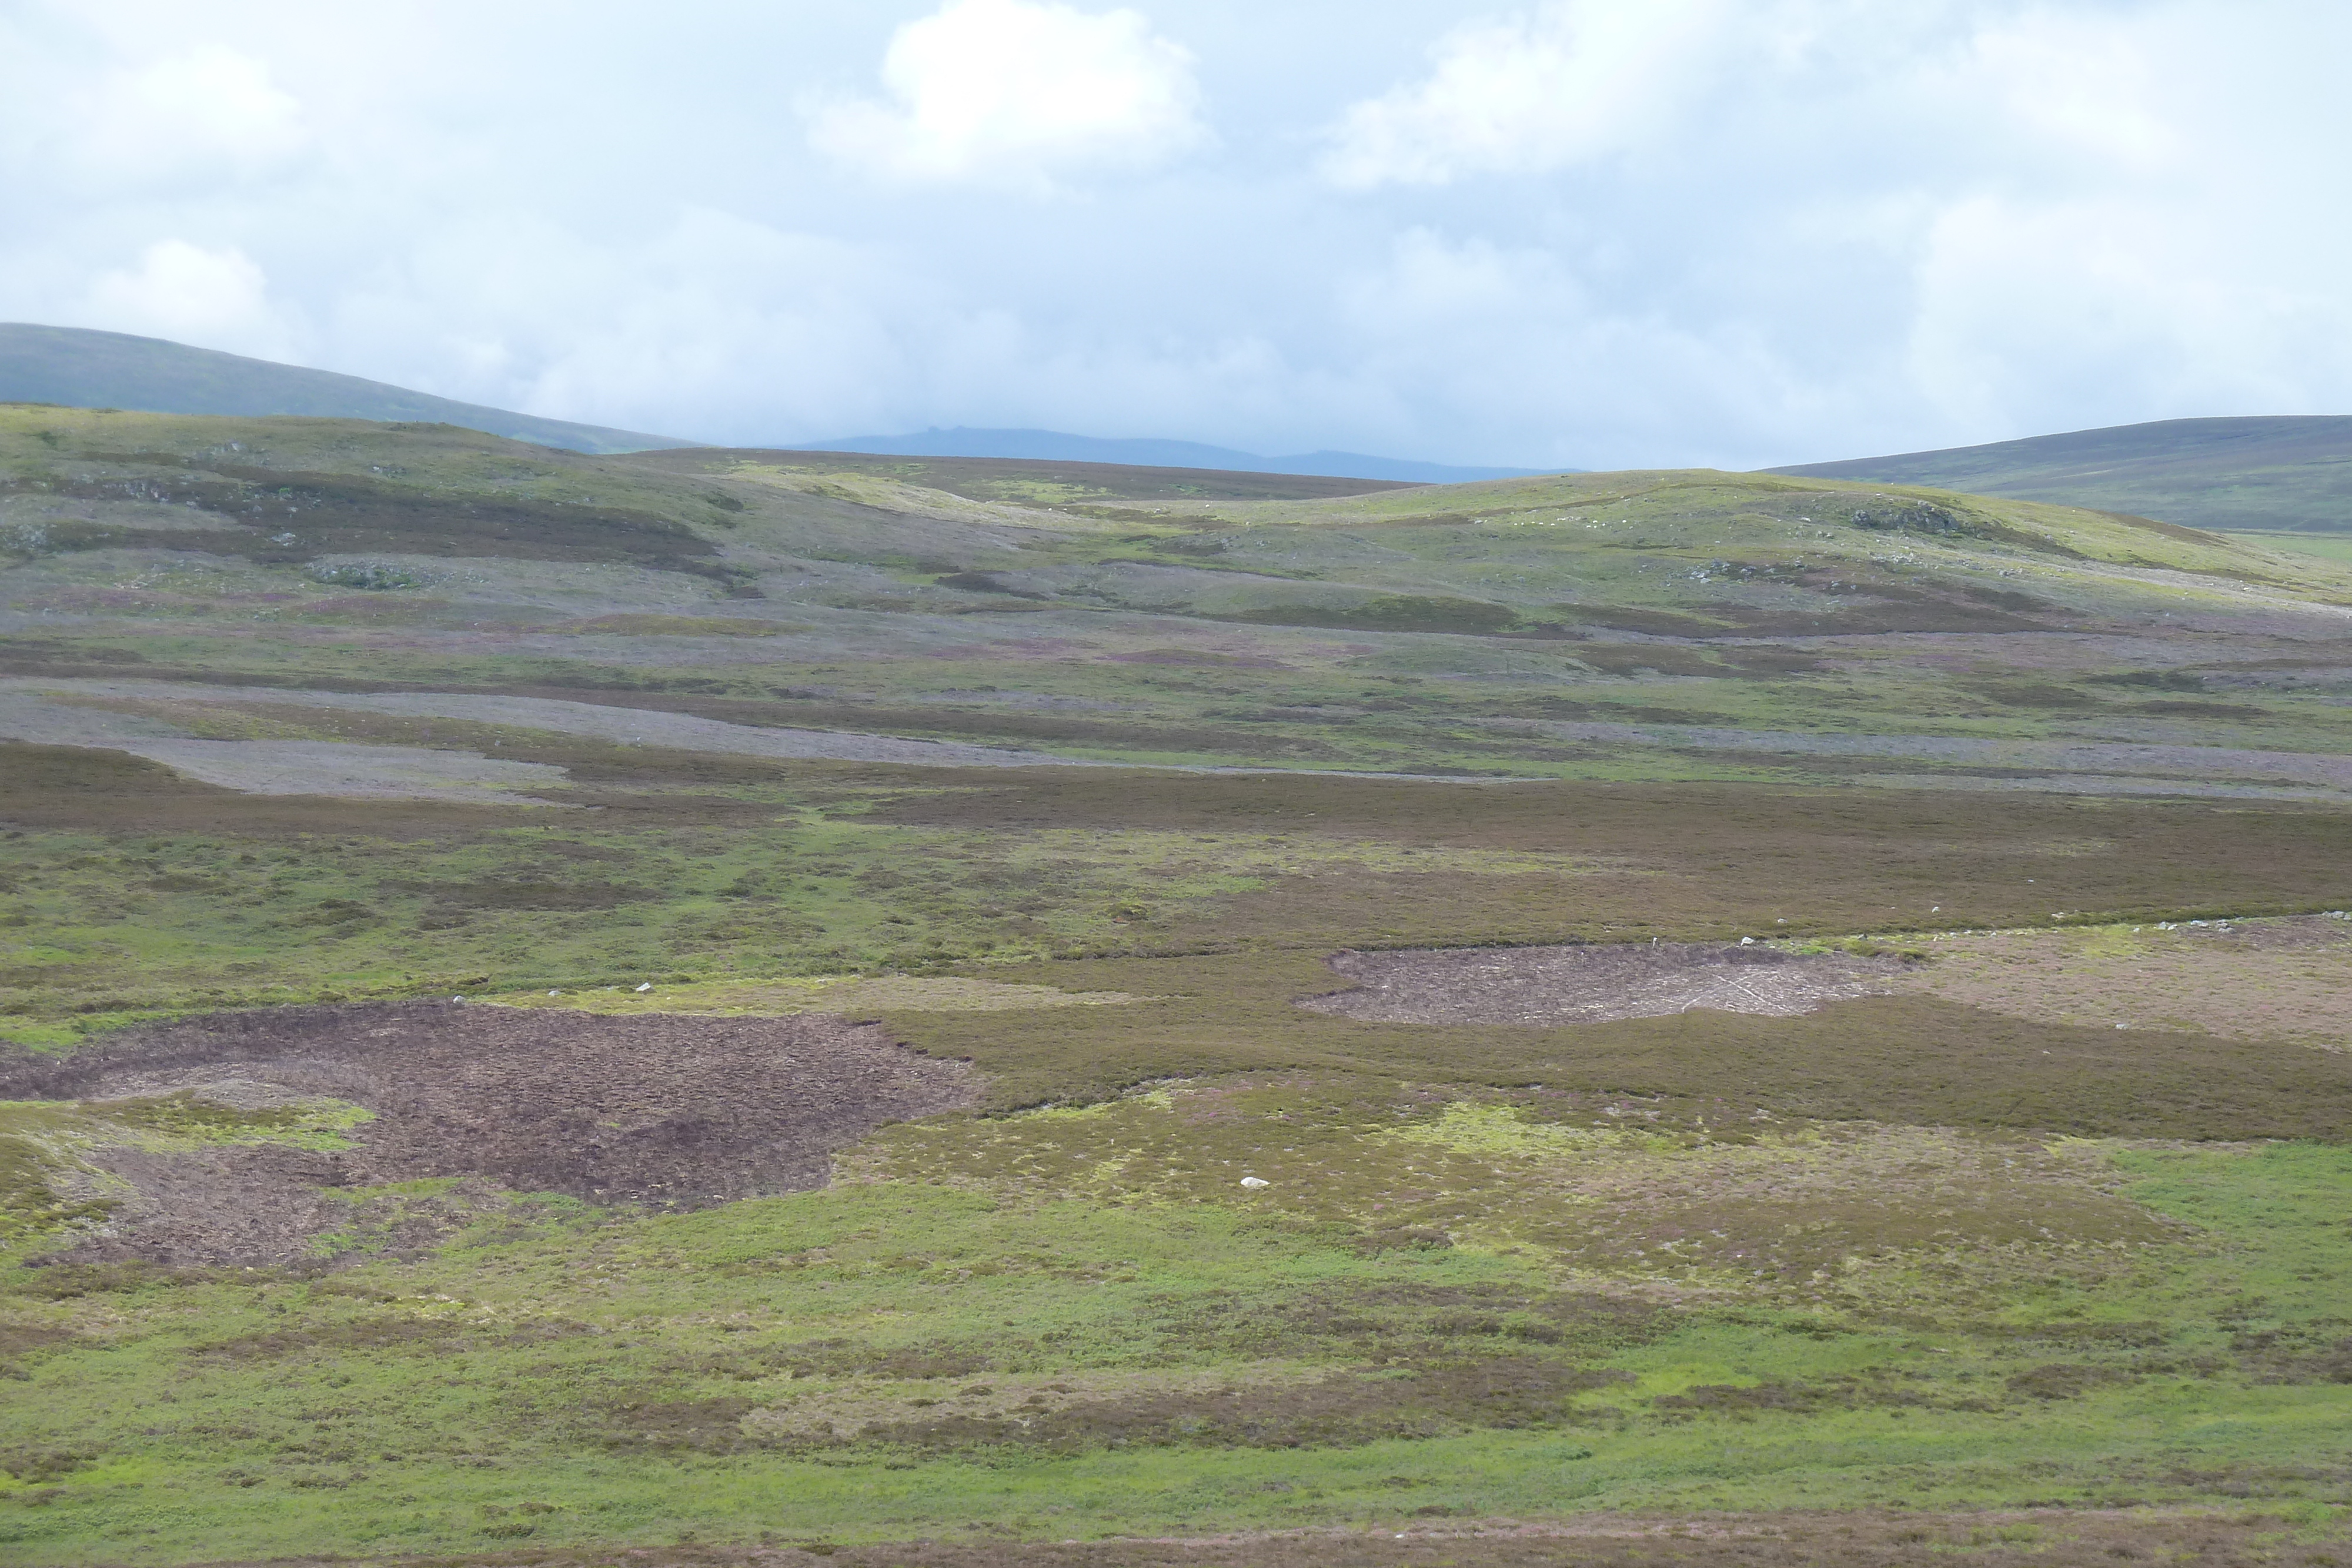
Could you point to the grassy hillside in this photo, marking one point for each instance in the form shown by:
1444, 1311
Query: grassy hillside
74, 366
2292, 473
1071, 780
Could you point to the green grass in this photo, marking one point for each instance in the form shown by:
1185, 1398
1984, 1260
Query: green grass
2332, 547
601, 1384
53, 1192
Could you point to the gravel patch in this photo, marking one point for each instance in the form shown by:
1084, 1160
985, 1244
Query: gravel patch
342, 768
50, 723
1548, 987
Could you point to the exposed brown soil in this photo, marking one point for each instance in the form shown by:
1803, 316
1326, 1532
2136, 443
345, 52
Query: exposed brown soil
674, 1111
1544, 987
2044, 1537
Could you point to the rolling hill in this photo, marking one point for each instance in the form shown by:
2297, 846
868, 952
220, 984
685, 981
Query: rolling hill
2285, 473
74, 366
741, 1008
1053, 445
1005, 602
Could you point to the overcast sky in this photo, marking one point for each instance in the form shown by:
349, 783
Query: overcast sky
1590, 233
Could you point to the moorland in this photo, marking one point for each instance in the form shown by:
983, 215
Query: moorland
2278, 474
758, 1007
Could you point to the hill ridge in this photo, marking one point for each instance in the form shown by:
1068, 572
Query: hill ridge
82, 366
2243, 473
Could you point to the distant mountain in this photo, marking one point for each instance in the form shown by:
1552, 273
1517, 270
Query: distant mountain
2280, 471
86, 368
1055, 447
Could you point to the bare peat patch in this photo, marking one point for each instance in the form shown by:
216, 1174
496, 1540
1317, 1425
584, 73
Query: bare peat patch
1546, 987
671, 1110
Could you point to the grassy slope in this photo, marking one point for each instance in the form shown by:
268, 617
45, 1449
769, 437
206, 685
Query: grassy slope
76, 366
2259, 473
566, 1384
1459, 1295
2324, 546
1359, 633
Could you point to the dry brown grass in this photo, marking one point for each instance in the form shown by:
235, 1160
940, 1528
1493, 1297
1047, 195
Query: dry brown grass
2265, 979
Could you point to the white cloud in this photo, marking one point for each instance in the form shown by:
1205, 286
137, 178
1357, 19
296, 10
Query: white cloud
1507, 338
1013, 93
1529, 93
209, 109
2026, 312
212, 298
1603, 234
2079, 89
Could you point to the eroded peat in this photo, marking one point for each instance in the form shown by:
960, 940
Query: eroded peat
665, 1110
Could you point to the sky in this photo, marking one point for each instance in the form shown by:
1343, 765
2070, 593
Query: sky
1599, 234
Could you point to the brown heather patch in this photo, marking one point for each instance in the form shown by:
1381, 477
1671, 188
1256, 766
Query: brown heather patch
1879, 1388
965, 1411
2062, 1380
1248, 1406
19, 1340
1406, 1536
1384, 1323
416, 1335
277, 516
1507, 1393
1715, 860
2317, 1351
646, 625
665, 1425
89, 789
646, 690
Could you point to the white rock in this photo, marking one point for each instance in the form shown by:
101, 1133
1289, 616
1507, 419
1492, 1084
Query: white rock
647, 987
1255, 1182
